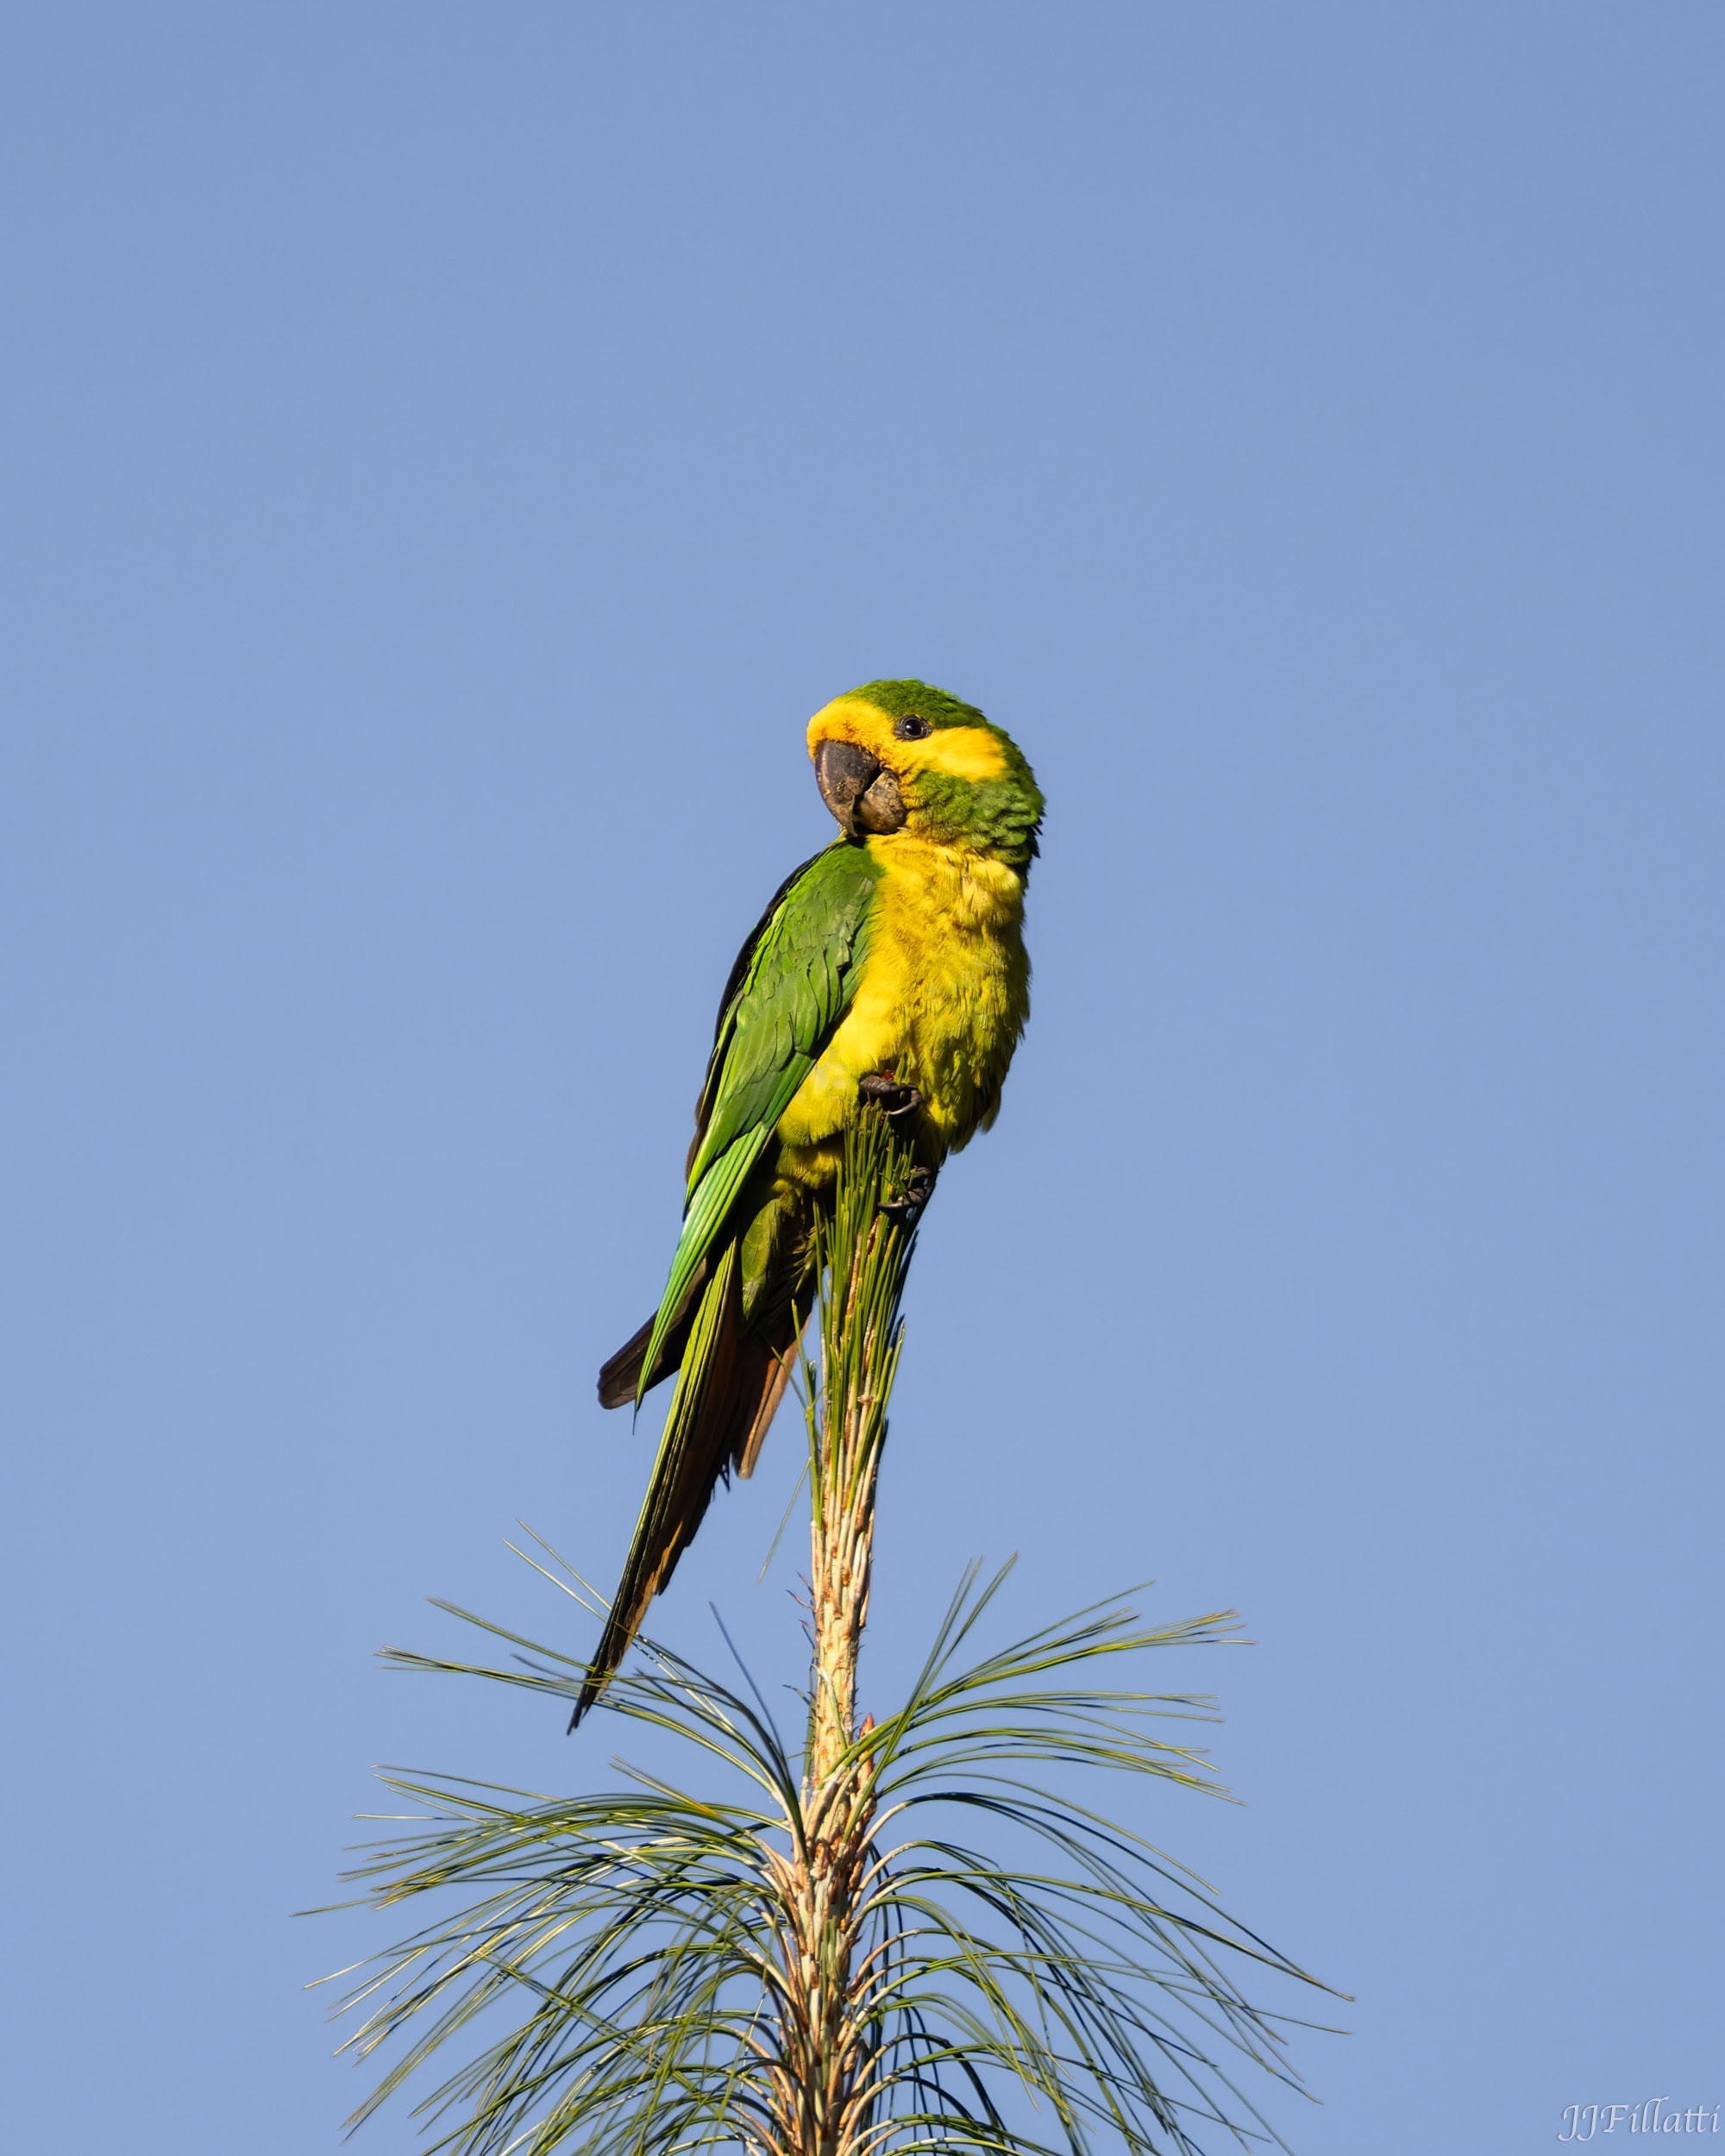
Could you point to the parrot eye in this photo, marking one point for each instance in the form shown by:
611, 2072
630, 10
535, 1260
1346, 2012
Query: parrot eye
911, 728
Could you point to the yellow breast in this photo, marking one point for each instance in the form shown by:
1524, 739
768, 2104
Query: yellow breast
943, 997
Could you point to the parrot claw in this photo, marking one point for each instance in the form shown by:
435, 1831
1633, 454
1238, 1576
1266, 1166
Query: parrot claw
896, 1100
907, 1207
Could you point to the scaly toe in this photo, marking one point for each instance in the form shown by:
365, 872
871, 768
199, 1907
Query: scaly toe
895, 1100
906, 1206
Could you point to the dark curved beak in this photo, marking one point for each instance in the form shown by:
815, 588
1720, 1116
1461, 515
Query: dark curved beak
859, 790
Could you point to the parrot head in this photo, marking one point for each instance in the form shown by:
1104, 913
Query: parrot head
900, 756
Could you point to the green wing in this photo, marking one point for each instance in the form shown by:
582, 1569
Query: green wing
792, 984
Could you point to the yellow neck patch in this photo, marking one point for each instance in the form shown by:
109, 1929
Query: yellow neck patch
958, 752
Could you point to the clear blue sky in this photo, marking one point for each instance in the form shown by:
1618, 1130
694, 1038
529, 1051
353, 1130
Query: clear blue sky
449, 451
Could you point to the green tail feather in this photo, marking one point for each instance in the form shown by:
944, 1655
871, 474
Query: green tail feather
727, 1378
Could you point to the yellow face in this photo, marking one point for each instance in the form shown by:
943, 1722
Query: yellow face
959, 752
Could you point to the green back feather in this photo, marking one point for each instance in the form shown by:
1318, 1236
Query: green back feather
800, 977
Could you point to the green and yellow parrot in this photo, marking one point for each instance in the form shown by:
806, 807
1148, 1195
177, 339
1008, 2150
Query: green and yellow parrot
890, 969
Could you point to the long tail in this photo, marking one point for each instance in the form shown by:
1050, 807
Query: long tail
730, 1384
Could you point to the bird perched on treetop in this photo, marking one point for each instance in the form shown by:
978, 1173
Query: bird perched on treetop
890, 969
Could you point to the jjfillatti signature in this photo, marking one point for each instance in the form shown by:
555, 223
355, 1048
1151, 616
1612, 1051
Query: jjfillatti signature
1582, 2121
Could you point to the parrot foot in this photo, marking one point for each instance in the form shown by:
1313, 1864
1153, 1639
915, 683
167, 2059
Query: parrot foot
897, 1101
906, 1206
